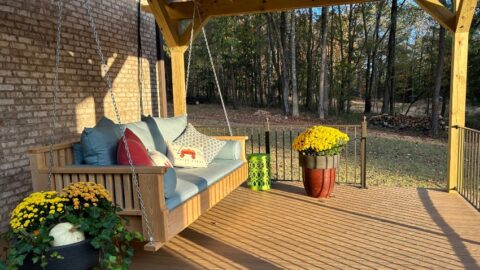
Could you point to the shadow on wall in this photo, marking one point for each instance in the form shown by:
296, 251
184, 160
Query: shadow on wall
83, 97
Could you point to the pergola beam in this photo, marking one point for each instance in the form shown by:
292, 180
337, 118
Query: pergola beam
439, 12
168, 26
217, 8
465, 14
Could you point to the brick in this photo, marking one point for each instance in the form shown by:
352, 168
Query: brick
27, 58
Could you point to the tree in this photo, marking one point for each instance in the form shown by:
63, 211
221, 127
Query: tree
293, 52
389, 94
310, 45
438, 80
323, 64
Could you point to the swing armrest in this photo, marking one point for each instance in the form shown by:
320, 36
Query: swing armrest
86, 169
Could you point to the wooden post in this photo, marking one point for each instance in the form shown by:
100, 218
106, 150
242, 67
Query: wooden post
267, 136
458, 94
178, 80
363, 154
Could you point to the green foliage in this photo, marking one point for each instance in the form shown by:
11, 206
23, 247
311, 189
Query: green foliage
100, 223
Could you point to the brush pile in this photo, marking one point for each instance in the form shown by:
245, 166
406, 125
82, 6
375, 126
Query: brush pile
410, 123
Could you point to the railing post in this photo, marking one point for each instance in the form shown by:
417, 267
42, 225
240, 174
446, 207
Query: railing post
363, 154
267, 136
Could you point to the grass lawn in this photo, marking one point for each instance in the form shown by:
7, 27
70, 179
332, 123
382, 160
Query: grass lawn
406, 163
393, 159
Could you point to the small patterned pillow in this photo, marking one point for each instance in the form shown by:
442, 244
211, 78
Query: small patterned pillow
159, 159
210, 146
185, 156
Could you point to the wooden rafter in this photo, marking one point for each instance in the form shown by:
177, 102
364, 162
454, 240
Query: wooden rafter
465, 14
439, 12
168, 26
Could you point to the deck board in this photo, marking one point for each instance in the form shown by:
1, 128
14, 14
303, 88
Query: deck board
387, 228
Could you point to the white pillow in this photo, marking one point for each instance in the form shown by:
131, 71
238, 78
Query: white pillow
210, 146
159, 159
185, 156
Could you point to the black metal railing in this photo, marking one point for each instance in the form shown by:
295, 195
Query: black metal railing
284, 160
468, 184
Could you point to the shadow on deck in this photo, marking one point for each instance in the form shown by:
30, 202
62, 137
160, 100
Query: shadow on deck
379, 227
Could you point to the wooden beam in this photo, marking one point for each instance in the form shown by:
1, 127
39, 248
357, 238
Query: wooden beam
185, 37
439, 12
168, 26
458, 95
178, 80
240, 7
464, 16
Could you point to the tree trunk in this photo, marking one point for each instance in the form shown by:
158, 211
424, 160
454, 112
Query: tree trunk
323, 64
389, 94
309, 95
438, 80
293, 52
283, 42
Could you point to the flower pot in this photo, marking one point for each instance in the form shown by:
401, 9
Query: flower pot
78, 256
319, 174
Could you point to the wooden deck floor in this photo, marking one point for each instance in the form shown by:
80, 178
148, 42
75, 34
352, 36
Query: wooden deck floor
284, 229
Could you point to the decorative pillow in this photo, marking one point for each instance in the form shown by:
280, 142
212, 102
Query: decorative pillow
77, 154
210, 146
99, 144
185, 156
138, 152
231, 151
159, 159
170, 128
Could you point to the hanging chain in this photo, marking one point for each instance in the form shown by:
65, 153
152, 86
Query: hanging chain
190, 49
117, 114
55, 91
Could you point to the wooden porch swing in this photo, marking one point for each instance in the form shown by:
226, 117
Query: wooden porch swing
138, 190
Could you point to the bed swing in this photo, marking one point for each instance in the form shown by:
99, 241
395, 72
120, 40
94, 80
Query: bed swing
138, 190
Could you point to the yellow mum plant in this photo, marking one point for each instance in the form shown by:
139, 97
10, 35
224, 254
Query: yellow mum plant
85, 194
32, 211
320, 141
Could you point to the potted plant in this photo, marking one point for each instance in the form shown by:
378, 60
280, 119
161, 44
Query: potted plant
76, 229
319, 148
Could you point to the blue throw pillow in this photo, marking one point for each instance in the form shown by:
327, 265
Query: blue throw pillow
170, 128
99, 144
77, 154
169, 183
158, 140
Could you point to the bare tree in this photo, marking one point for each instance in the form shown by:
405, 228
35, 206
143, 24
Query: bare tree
323, 64
293, 52
438, 80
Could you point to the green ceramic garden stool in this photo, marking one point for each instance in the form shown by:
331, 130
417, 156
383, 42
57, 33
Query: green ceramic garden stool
259, 171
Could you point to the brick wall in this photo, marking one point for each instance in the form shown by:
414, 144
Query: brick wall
27, 41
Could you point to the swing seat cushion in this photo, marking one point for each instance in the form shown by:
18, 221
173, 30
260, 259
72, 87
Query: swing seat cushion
99, 144
191, 181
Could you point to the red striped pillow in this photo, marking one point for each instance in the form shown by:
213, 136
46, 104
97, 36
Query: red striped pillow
138, 152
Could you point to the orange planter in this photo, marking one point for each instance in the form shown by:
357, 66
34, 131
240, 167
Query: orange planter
319, 175
319, 183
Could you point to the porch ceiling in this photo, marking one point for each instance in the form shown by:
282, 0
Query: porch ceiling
358, 228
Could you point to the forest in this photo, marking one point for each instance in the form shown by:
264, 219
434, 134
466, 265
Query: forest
389, 55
